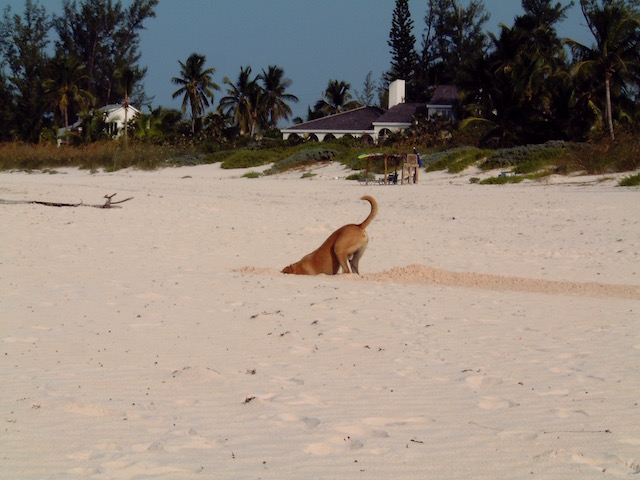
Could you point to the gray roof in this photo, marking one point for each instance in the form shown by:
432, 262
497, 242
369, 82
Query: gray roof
358, 119
402, 113
444, 95
362, 119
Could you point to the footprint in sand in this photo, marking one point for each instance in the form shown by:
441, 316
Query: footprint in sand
196, 374
333, 445
478, 381
496, 403
20, 340
518, 435
607, 463
309, 422
350, 437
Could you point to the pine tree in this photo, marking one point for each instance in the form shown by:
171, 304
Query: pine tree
404, 59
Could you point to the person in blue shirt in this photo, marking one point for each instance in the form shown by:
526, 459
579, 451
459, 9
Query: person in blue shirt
415, 150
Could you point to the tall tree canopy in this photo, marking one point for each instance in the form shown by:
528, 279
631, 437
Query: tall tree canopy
274, 86
241, 101
196, 87
23, 43
65, 88
454, 36
335, 99
511, 89
402, 41
609, 70
105, 36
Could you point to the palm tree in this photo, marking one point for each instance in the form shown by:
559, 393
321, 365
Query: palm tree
126, 78
495, 91
615, 57
241, 102
336, 99
275, 96
63, 88
196, 86
511, 92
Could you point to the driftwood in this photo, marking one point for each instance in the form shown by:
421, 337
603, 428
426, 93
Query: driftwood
107, 204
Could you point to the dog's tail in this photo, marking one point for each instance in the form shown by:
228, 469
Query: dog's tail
374, 211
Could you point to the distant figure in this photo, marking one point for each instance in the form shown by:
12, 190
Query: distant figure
415, 150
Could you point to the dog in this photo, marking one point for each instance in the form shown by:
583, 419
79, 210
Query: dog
342, 249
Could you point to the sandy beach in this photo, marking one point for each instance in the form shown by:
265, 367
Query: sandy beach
494, 332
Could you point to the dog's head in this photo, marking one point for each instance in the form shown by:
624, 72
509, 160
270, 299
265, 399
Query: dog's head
288, 269
294, 268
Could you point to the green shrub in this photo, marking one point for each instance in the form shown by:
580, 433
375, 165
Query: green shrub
525, 158
630, 181
301, 158
442, 160
245, 159
107, 155
501, 180
252, 174
361, 177
606, 156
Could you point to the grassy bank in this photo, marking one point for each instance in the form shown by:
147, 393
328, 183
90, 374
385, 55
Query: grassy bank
529, 161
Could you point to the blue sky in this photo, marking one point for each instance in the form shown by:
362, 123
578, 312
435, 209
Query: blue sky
312, 40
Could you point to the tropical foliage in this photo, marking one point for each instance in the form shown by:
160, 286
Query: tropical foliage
276, 98
612, 64
336, 99
196, 87
521, 84
404, 58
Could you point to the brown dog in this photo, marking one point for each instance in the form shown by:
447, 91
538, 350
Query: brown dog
344, 247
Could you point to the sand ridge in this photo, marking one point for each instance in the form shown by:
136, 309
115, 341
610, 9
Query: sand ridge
423, 274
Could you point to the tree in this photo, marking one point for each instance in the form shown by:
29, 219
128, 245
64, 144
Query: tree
274, 88
241, 101
126, 80
64, 87
335, 99
454, 37
24, 41
105, 36
196, 87
6, 109
368, 91
520, 88
404, 58
614, 59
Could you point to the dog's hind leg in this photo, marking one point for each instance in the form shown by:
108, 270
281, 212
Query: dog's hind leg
344, 263
354, 260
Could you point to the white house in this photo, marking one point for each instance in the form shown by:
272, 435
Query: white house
113, 115
376, 123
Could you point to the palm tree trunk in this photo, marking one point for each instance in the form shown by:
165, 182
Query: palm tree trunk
126, 119
608, 105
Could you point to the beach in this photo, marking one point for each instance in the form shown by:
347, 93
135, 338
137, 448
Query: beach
494, 331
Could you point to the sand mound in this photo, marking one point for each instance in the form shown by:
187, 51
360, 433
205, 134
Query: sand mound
434, 276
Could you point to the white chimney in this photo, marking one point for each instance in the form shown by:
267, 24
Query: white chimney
396, 93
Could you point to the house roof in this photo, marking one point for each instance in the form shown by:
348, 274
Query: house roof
372, 119
444, 95
114, 107
402, 113
358, 119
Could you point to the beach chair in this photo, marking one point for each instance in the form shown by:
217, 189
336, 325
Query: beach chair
410, 169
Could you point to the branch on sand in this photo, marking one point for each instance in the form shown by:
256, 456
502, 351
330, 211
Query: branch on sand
107, 204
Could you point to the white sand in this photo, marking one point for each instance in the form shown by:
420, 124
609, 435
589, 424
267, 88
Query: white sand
494, 334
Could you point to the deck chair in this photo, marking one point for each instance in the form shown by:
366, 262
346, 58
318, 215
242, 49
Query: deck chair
410, 169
